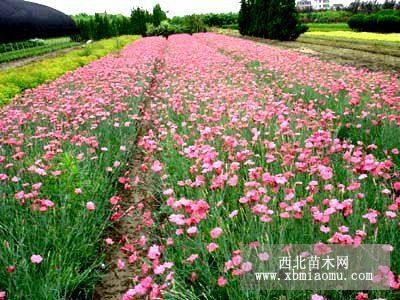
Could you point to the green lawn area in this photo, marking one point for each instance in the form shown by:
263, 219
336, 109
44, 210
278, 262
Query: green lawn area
325, 27
13, 81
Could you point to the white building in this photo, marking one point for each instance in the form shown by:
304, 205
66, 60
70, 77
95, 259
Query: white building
314, 4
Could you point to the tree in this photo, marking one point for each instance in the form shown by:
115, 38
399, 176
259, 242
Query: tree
102, 26
158, 15
139, 18
244, 17
273, 19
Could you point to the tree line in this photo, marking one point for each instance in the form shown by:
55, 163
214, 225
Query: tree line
101, 26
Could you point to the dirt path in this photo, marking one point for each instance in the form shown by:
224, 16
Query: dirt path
136, 200
28, 60
117, 281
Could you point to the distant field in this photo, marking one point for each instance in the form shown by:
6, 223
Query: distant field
325, 27
358, 36
387, 44
375, 54
19, 50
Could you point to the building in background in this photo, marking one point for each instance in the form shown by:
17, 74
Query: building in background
313, 4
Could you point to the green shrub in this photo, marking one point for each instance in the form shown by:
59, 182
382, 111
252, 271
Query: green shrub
388, 23
325, 17
385, 21
188, 24
231, 26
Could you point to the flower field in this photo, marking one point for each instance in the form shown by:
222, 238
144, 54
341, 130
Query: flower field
241, 144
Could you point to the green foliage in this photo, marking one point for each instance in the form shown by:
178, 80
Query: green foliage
139, 19
158, 15
165, 29
101, 26
368, 7
273, 19
244, 17
35, 51
223, 20
145, 23
193, 23
385, 21
219, 20
8, 47
325, 17
15, 80
326, 27
188, 24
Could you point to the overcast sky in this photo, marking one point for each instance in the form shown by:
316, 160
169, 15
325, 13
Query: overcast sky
173, 7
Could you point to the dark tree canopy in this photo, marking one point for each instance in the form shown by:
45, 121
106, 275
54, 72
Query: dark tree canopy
158, 15
272, 19
21, 20
139, 19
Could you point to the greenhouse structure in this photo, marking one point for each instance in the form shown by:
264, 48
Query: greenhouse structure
22, 20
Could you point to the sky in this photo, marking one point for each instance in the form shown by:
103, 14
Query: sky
172, 7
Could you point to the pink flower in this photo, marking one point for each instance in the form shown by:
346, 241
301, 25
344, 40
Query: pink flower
121, 264
317, 297
387, 248
233, 214
362, 296
247, 266
280, 179
222, 281
157, 167
192, 230
114, 200
263, 256
324, 229
216, 232
233, 180
36, 259
129, 295
3, 295
321, 249
90, 206
212, 247
154, 252
192, 258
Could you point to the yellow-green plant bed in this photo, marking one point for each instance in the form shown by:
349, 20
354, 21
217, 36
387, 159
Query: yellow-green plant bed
351, 35
13, 81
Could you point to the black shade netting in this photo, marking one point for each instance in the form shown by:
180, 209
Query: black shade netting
22, 20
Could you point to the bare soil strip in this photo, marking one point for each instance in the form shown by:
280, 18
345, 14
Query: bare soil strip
135, 201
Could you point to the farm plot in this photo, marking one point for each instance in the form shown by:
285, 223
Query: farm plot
63, 146
255, 145
245, 145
